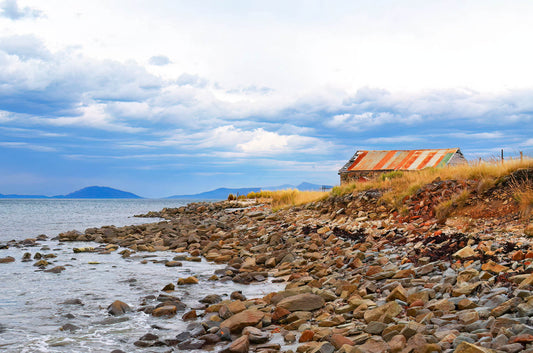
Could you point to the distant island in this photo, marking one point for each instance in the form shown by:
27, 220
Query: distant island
91, 192
104, 192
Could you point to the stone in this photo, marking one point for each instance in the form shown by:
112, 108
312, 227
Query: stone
210, 338
190, 315
118, 308
192, 343
375, 327
505, 307
7, 259
240, 345
255, 335
69, 327
187, 280
465, 347
169, 287
374, 344
323, 347
397, 343
56, 269
339, 340
237, 295
464, 253
304, 302
494, 268
279, 313
527, 282
468, 317
73, 302
211, 299
165, 310
465, 289
383, 313
173, 264
442, 305
398, 293
526, 309
237, 322
236, 306
306, 336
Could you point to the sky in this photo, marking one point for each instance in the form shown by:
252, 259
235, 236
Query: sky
177, 97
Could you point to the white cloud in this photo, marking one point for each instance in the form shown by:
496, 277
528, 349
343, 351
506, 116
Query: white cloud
93, 116
159, 60
394, 139
28, 146
11, 10
528, 142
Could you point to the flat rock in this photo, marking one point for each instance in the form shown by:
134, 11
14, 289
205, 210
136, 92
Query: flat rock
302, 302
465, 347
237, 322
383, 313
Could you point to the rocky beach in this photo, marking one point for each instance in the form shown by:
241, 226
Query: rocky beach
353, 274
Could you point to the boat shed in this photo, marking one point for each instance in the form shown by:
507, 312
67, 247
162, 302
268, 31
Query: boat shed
365, 165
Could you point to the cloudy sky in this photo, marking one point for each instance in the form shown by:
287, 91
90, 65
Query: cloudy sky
174, 97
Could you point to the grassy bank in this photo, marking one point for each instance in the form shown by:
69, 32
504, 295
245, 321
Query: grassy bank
399, 185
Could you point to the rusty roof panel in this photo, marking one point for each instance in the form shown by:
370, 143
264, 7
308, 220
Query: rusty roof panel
401, 159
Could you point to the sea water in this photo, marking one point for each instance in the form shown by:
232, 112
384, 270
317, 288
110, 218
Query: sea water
32, 302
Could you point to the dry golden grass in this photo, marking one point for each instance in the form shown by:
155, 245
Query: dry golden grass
289, 197
445, 208
405, 184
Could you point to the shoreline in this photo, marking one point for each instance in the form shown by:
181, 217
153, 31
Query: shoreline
356, 278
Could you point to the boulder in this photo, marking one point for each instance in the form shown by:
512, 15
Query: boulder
118, 308
240, 345
465, 347
165, 310
302, 302
7, 259
188, 280
237, 322
383, 313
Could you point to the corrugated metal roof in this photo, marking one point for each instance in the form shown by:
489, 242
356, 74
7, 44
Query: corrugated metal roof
400, 159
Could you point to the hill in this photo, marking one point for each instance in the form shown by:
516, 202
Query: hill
217, 194
99, 192
222, 193
16, 196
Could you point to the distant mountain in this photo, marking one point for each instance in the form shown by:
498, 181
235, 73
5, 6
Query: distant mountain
99, 192
15, 196
222, 193
217, 194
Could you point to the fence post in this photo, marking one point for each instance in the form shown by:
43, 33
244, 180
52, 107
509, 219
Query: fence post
521, 156
502, 155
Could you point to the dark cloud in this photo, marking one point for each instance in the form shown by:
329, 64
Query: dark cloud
159, 60
35, 81
11, 10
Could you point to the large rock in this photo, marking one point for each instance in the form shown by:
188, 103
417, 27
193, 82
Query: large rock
7, 259
465, 347
383, 313
240, 345
237, 322
118, 308
302, 302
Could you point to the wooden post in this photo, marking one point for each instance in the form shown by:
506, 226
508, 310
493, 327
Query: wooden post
521, 156
502, 155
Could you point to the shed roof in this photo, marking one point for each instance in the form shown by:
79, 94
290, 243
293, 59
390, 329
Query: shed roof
400, 159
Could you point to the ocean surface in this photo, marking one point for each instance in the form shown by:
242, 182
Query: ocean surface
24, 218
32, 302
